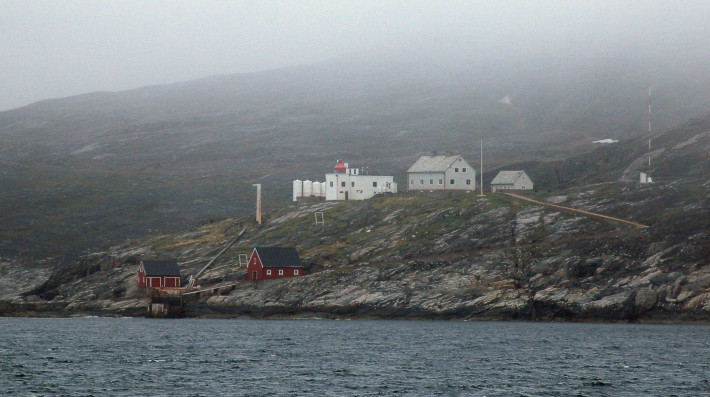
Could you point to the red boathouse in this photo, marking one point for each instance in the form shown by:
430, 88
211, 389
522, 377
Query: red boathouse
159, 274
274, 262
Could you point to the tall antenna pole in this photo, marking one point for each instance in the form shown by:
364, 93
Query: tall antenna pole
481, 176
258, 202
649, 132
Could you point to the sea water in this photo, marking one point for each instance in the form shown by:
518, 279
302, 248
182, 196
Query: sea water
201, 357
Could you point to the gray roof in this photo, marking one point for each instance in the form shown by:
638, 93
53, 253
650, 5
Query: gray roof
507, 177
279, 257
433, 163
161, 268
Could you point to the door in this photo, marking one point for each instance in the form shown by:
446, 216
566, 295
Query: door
346, 195
254, 275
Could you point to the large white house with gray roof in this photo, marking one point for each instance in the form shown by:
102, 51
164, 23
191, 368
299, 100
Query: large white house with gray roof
511, 180
441, 173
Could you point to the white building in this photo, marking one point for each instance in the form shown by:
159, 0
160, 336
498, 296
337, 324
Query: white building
345, 184
511, 180
349, 184
441, 173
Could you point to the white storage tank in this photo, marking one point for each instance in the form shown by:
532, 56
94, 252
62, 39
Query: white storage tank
307, 188
297, 189
316, 188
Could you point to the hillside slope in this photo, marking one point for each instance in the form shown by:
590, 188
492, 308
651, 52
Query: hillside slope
92, 170
677, 153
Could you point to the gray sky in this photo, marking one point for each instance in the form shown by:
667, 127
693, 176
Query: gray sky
54, 49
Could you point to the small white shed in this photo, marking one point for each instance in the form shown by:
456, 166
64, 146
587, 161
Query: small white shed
511, 180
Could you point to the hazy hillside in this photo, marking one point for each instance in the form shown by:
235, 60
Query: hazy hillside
86, 171
444, 254
677, 153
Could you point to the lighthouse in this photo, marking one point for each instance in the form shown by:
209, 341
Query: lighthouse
347, 183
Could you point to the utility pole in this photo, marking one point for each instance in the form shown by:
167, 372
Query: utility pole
258, 202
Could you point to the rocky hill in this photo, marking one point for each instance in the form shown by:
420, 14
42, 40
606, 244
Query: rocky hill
90, 171
427, 255
442, 255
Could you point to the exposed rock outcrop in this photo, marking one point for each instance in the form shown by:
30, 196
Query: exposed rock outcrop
433, 256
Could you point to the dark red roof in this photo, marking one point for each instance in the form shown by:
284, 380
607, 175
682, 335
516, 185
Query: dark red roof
279, 257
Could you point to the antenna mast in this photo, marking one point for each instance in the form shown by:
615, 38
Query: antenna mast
481, 176
649, 133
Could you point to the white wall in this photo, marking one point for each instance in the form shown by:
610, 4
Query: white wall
357, 187
523, 183
459, 177
331, 185
422, 181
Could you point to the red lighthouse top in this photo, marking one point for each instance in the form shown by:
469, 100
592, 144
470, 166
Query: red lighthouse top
340, 167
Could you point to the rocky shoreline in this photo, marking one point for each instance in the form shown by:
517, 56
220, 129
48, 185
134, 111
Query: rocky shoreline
210, 311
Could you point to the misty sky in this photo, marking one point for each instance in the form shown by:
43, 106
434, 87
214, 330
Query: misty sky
56, 49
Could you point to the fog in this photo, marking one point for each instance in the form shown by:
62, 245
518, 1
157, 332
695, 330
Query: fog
57, 49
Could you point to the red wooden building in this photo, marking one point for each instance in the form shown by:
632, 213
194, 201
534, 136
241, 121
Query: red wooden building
158, 274
274, 262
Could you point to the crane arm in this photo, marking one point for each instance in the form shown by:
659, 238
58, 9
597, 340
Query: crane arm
207, 266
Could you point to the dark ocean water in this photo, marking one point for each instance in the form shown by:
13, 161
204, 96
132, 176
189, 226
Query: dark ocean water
134, 357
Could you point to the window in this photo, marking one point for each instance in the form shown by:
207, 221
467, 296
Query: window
295, 272
342, 184
421, 181
463, 169
431, 181
452, 182
412, 182
441, 181
331, 183
268, 272
352, 184
281, 272
374, 184
456, 170
468, 181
